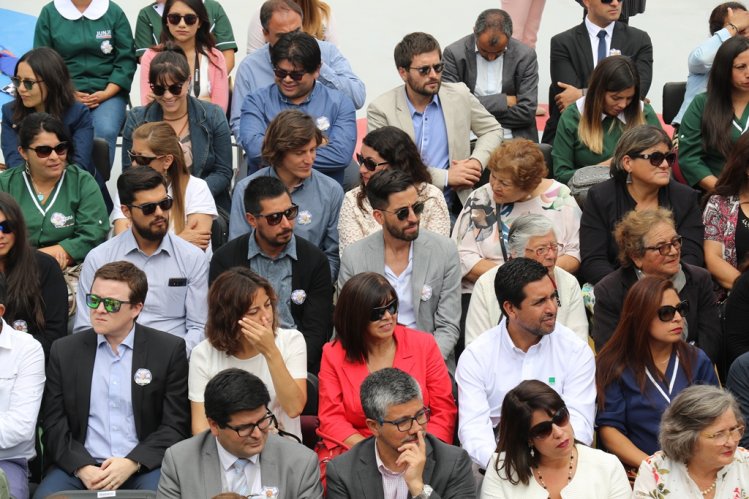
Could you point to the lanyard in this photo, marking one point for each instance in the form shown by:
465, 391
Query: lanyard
670, 385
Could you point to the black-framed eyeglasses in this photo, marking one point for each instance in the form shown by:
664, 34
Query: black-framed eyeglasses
665, 248
281, 74
656, 158
369, 163
544, 429
379, 312
142, 160
150, 208
44, 151
402, 213
404, 424
6, 227
667, 312
245, 430
159, 90
275, 218
175, 18
111, 305
424, 70
27, 84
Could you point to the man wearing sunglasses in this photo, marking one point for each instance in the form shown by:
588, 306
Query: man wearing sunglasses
297, 269
422, 266
439, 117
528, 343
177, 270
116, 394
400, 457
240, 452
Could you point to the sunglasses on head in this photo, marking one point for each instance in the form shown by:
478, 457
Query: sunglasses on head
402, 213
150, 208
281, 74
424, 70
275, 218
379, 312
159, 90
142, 160
667, 312
369, 163
543, 430
27, 84
174, 19
44, 151
6, 227
111, 305
656, 158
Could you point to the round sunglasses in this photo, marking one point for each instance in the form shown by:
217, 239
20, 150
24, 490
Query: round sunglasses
174, 89
402, 213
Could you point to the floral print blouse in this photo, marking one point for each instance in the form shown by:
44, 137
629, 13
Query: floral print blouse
720, 218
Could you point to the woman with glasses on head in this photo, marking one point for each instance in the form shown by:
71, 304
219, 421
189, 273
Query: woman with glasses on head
642, 367
640, 180
700, 457
368, 338
242, 331
186, 23
64, 210
538, 456
389, 147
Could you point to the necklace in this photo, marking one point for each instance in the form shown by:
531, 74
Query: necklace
707, 490
569, 474
175, 119
39, 194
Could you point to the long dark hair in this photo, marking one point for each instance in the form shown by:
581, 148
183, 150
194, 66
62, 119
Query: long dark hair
718, 113
24, 300
733, 179
204, 39
50, 68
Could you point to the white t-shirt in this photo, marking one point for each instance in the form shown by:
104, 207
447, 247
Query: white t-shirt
206, 362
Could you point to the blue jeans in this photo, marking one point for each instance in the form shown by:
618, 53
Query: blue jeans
108, 120
56, 480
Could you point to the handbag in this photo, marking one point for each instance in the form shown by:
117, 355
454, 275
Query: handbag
326, 453
71, 276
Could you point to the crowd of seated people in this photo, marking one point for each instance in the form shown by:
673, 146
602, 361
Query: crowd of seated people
315, 346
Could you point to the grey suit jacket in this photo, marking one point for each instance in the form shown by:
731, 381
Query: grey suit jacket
519, 78
463, 114
192, 470
435, 281
354, 474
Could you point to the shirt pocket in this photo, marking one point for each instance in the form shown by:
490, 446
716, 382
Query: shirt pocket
170, 299
8, 377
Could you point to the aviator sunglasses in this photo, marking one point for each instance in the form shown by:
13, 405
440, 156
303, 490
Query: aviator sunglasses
174, 19
543, 430
275, 218
379, 312
150, 208
667, 312
656, 158
44, 151
111, 305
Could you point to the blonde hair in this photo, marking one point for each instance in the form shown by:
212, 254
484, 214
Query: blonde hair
316, 17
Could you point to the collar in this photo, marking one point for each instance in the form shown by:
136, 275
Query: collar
131, 244
273, 173
253, 249
580, 103
679, 279
315, 90
128, 341
6, 341
227, 459
500, 58
593, 29
506, 334
94, 11
412, 110
384, 470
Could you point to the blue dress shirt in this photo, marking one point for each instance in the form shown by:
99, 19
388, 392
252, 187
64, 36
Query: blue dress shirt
278, 272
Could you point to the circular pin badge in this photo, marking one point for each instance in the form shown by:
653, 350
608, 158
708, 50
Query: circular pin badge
142, 377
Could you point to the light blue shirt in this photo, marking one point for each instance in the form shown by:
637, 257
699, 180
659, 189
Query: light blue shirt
278, 272
177, 274
404, 291
111, 424
319, 199
430, 133
255, 72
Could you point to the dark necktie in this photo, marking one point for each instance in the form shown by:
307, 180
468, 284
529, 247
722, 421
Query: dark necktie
601, 45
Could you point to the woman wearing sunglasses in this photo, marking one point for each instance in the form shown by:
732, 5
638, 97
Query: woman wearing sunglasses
64, 209
589, 129
644, 365
242, 331
538, 456
186, 23
389, 147
201, 126
369, 339
640, 180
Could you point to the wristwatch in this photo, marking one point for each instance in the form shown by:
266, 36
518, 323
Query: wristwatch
426, 492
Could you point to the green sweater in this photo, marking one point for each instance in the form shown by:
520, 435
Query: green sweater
569, 153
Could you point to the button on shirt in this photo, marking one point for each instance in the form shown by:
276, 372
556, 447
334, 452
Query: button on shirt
593, 35
251, 470
404, 291
111, 425
393, 484
278, 272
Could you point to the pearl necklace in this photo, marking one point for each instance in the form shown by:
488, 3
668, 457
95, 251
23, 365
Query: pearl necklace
569, 474
707, 490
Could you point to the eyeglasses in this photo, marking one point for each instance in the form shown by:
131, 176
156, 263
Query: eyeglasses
281, 74
722, 437
379, 312
142, 160
6, 227
544, 250
402, 213
543, 430
174, 19
111, 305
369, 163
27, 84
656, 158
667, 312
174, 89
405, 424
424, 70
665, 248
275, 218
44, 151
150, 208
246, 430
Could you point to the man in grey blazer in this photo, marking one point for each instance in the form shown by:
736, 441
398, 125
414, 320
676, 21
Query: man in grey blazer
438, 116
239, 453
500, 71
423, 267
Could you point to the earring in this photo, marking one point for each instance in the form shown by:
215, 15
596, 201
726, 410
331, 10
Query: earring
532, 451
629, 177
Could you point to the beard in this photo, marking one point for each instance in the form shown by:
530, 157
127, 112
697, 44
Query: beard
400, 233
151, 232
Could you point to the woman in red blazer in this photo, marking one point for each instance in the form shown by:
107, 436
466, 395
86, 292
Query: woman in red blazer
369, 339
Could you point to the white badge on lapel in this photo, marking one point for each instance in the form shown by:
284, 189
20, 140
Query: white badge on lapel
142, 377
298, 296
426, 292
270, 492
615, 52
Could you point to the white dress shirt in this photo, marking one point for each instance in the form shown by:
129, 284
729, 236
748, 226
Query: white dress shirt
492, 365
593, 31
251, 471
403, 290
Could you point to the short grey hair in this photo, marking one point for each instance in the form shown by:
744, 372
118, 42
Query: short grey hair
494, 20
525, 227
693, 410
385, 388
